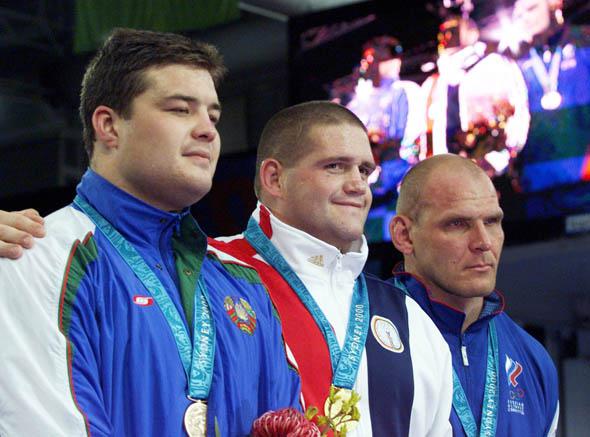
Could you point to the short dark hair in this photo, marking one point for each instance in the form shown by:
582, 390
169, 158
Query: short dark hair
115, 76
285, 136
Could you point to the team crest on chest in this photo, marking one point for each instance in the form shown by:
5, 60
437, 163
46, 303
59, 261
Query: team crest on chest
516, 393
241, 313
386, 334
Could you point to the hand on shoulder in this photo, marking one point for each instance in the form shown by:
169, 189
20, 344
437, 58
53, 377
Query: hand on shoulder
17, 230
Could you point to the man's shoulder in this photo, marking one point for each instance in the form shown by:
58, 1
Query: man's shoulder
419, 322
234, 248
231, 256
378, 285
67, 224
32, 306
512, 336
387, 291
385, 294
231, 267
36, 283
237, 250
64, 229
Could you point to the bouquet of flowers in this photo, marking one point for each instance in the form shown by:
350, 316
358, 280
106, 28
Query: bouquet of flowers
341, 415
286, 422
485, 135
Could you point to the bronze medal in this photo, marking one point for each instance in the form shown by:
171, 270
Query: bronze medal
195, 419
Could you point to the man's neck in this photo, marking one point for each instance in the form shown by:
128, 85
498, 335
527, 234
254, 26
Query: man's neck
472, 310
470, 306
114, 178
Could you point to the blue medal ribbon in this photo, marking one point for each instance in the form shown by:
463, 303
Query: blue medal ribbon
489, 410
197, 360
345, 362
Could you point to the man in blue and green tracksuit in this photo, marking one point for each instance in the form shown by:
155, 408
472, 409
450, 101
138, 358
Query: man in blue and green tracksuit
121, 322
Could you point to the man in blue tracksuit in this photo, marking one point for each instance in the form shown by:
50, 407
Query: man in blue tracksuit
449, 230
121, 322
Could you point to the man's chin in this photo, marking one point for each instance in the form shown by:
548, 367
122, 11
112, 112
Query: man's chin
356, 244
472, 288
479, 291
192, 194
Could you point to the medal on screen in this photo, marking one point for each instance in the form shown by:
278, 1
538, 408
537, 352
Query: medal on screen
548, 80
551, 100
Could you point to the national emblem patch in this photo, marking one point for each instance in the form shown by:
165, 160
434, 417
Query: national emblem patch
516, 393
513, 370
386, 334
240, 313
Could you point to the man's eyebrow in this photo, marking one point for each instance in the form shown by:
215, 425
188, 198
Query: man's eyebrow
470, 217
333, 158
343, 158
455, 216
191, 99
369, 164
497, 215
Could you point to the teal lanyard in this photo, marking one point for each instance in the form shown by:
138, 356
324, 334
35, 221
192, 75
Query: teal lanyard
346, 362
197, 360
489, 410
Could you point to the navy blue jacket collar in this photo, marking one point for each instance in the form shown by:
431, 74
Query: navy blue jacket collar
137, 221
446, 318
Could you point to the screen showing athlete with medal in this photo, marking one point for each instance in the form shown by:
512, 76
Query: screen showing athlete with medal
554, 166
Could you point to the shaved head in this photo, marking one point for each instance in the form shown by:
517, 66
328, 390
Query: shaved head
449, 228
416, 182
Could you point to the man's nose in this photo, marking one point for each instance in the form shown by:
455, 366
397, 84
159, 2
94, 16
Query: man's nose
481, 237
204, 129
356, 183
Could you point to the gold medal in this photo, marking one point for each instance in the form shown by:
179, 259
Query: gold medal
341, 409
195, 418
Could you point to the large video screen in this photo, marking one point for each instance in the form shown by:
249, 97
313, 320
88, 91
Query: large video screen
519, 105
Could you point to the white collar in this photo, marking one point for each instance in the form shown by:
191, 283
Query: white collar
305, 253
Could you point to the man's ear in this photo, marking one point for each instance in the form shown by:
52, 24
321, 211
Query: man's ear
104, 122
270, 177
399, 229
